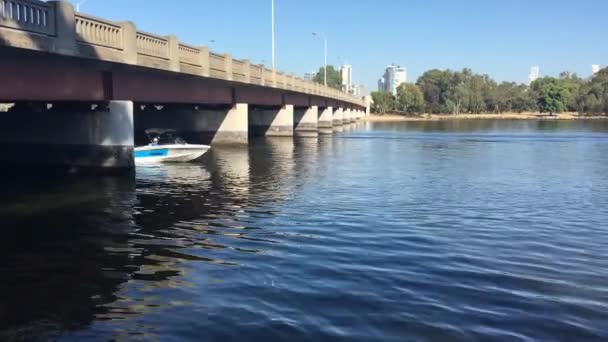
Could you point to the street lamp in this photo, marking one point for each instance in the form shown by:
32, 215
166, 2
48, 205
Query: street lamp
273, 39
325, 45
78, 5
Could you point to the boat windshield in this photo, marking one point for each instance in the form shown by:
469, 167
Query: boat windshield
167, 138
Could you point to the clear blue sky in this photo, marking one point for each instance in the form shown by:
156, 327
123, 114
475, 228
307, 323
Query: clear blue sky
502, 38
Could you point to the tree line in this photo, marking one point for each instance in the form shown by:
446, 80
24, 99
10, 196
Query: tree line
457, 92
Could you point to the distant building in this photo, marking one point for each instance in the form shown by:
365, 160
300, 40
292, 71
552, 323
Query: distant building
359, 91
595, 68
381, 86
534, 74
347, 78
309, 76
393, 77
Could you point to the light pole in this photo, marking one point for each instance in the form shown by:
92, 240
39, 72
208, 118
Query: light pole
325, 46
78, 5
272, 23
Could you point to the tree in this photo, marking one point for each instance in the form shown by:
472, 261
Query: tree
383, 102
334, 77
434, 85
593, 95
512, 97
551, 95
410, 98
573, 84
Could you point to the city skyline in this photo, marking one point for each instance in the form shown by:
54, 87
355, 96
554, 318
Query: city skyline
505, 53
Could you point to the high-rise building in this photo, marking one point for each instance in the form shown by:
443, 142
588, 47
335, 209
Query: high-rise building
534, 74
393, 77
595, 68
381, 86
347, 78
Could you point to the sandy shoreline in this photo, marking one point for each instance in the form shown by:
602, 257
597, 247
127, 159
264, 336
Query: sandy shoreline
504, 116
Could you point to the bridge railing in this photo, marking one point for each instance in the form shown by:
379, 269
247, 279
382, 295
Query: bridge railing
28, 15
55, 27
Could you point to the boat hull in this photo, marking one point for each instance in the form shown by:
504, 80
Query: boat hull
169, 153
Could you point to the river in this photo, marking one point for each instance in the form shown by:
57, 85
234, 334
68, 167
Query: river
452, 230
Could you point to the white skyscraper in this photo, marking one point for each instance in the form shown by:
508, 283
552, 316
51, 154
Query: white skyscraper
393, 77
595, 68
534, 74
347, 78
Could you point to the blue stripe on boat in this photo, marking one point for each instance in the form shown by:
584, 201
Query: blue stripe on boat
152, 153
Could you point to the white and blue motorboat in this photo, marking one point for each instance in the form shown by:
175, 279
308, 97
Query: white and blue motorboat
167, 147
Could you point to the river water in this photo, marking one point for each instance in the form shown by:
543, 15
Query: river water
414, 231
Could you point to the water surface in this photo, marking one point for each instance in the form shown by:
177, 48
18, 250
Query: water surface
413, 231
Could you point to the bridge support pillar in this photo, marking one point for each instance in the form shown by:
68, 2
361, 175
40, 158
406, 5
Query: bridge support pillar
234, 129
197, 124
306, 121
271, 122
337, 119
325, 122
346, 116
69, 136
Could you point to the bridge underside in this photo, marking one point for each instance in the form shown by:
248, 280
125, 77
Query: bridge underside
86, 113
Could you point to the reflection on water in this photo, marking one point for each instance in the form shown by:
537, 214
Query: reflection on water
439, 231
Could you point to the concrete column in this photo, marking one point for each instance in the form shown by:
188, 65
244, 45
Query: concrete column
234, 129
337, 117
247, 70
306, 121
337, 120
173, 53
325, 122
228, 66
271, 121
71, 136
353, 115
346, 116
197, 124
205, 61
129, 34
65, 41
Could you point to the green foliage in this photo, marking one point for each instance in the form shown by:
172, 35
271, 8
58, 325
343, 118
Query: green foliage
593, 96
383, 102
434, 85
513, 97
409, 98
552, 94
447, 91
456, 92
334, 77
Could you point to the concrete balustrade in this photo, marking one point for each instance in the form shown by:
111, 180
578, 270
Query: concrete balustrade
60, 30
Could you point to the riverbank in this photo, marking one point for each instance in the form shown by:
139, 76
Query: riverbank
487, 116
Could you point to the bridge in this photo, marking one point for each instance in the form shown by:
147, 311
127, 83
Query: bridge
83, 89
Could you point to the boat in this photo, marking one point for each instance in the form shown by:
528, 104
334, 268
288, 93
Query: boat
167, 147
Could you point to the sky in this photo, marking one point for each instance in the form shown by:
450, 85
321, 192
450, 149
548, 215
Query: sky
502, 38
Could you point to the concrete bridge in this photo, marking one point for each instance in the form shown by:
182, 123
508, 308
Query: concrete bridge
85, 88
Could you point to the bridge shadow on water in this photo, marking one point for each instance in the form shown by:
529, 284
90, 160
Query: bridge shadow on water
82, 253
